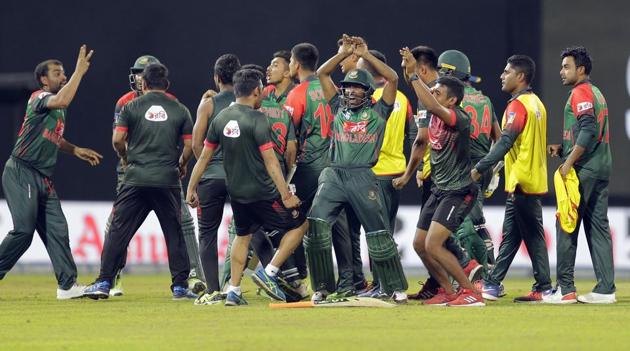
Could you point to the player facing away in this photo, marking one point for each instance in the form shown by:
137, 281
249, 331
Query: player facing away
188, 225
259, 193
425, 66
146, 138
522, 146
453, 192
585, 147
212, 188
357, 131
26, 180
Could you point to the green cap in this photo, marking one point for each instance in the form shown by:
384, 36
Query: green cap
142, 62
457, 64
361, 77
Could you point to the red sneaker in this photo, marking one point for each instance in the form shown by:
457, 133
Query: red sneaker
532, 297
473, 271
429, 289
440, 299
467, 298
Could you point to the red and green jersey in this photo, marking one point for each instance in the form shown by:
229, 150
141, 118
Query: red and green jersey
587, 99
312, 118
358, 135
38, 140
155, 124
450, 150
279, 120
482, 117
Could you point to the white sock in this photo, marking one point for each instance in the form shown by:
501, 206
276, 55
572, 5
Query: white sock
271, 270
236, 289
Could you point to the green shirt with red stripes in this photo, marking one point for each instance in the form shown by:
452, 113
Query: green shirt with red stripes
482, 117
38, 140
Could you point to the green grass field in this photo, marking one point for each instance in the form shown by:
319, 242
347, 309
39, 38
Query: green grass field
147, 319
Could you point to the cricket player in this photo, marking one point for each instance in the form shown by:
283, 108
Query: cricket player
522, 146
585, 147
26, 180
260, 196
188, 225
357, 131
146, 138
212, 189
453, 192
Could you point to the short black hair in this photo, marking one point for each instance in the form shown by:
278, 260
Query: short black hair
523, 64
255, 67
454, 87
284, 54
306, 55
155, 76
369, 67
245, 81
225, 67
41, 70
580, 56
426, 56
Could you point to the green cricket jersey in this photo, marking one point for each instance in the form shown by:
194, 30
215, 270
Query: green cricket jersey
482, 117
215, 167
450, 150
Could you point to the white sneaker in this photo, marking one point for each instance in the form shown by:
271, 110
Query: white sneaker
319, 296
593, 297
117, 289
75, 292
400, 297
558, 298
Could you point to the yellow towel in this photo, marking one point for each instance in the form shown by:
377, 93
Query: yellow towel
568, 199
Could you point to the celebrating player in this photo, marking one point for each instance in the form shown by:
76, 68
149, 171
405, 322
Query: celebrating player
26, 180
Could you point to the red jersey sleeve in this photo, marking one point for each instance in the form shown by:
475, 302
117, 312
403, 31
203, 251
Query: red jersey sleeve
296, 103
582, 101
516, 115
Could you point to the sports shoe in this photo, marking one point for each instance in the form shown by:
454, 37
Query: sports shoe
74, 292
597, 298
97, 290
429, 289
117, 289
492, 292
368, 286
295, 290
234, 299
440, 299
474, 271
533, 297
268, 284
399, 297
467, 298
341, 294
181, 293
319, 296
196, 285
210, 298
371, 292
557, 297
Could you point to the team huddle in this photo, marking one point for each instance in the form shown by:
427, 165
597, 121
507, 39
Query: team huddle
307, 162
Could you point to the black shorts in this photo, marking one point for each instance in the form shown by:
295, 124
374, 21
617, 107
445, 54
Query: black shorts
269, 214
447, 207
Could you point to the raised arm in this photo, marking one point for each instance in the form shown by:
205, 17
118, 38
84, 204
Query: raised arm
390, 88
422, 91
324, 72
64, 97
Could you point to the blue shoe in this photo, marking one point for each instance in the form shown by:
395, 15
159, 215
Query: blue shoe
97, 290
234, 299
492, 292
181, 293
268, 284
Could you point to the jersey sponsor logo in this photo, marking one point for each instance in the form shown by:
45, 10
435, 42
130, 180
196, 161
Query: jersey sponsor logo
355, 127
584, 106
439, 134
232, 130
272, 112
156, 113
511, 117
